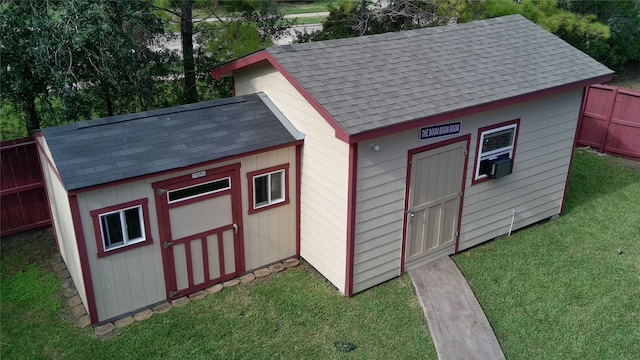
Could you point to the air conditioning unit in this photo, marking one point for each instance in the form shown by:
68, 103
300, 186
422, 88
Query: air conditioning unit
497, 167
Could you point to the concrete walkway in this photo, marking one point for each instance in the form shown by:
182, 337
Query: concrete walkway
459, 327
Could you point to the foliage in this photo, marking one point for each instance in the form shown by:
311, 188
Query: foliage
77, 59
582, 31
623, 16
266, 15
221, 43
569, 288
346, 18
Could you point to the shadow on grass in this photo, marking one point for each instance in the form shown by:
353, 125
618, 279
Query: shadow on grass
594, 175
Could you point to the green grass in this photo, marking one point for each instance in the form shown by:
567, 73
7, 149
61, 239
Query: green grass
294, 314
561, 290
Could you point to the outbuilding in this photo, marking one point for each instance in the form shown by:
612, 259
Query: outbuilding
417, 145
152, 206
422, 143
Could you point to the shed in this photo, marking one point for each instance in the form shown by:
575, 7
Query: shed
155, 205
423, 143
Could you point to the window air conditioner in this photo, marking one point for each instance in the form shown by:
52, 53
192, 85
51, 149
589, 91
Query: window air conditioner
497, 167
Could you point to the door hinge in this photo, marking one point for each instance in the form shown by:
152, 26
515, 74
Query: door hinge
173, 293
466, 152
457, 233
168, 244
161, 192
460, 194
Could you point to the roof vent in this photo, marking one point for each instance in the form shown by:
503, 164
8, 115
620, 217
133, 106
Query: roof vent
288, 48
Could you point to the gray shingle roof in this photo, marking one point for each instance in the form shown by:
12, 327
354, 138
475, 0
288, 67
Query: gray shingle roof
100, 151
376, 81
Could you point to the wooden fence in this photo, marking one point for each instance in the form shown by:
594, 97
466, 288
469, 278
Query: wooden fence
23, 201
610, 120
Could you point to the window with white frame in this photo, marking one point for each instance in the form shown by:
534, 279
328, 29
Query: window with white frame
268, 189
122, 227
494, 143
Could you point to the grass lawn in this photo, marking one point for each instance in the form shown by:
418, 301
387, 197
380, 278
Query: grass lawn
562, 290
294, 314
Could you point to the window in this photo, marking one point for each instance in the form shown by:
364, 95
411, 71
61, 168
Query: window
194, 191
494, 142
269, 188
121, 227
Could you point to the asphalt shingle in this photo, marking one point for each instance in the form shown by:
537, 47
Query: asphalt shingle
376, 81
101, 151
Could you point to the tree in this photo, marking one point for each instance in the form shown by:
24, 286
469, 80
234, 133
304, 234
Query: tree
582, 31
27, 31
349, 19
623, 17
75, 59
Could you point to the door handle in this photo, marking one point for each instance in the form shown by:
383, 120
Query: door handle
411, 215
235, 229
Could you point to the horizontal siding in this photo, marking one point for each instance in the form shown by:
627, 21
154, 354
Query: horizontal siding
127, 281
323, 213
62, 220
535, 189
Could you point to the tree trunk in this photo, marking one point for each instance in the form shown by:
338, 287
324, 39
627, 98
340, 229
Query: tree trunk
32, 118
186, 30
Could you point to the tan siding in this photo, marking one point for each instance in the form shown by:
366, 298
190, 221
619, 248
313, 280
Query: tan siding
62, 221
324, 174
133, 279
535, 189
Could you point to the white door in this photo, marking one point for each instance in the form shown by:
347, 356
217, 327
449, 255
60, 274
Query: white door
435, 194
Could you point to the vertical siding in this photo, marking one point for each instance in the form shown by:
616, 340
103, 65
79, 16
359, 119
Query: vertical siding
323, 213
133, 279
534, 190
62, 220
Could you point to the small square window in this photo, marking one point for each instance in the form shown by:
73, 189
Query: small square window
269, 188
494, 143
121, 227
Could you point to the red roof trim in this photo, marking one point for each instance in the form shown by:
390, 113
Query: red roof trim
186, 168
264, 55
476, 109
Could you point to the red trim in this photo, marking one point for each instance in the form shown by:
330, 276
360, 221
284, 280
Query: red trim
164, 228
463, 187
410, 154
250, 190
476, 109
351, 216
220, 237
95, 216
49, 160
205, 258
477, 155
585, 93
211, 163
264, 55
298, 203
46, 191
84, 259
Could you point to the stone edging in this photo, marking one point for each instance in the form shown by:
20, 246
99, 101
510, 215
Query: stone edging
82, 319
